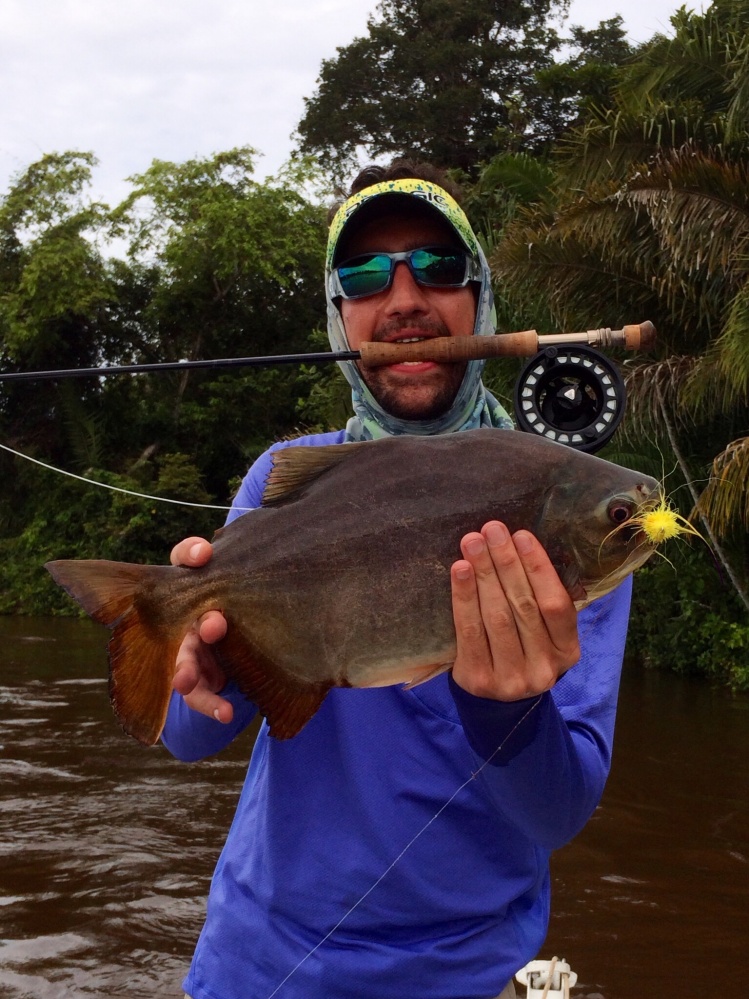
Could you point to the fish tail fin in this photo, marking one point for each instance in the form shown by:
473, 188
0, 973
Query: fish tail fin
105, 590
142, 655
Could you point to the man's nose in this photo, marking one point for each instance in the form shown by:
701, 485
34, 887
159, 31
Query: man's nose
405, 294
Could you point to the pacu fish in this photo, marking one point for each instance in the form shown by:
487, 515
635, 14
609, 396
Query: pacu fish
342, 577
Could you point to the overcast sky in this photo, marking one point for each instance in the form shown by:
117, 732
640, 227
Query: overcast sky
137, 80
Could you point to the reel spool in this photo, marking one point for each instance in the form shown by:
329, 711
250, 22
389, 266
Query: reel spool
573, 395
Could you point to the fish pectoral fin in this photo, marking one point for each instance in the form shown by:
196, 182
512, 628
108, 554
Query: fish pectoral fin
570, 577
568, 572
424, 673
286, 702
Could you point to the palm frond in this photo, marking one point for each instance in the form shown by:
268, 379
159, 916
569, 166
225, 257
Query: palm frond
654, 392
725, 501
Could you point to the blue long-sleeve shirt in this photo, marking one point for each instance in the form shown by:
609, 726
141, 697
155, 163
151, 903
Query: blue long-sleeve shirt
383, 822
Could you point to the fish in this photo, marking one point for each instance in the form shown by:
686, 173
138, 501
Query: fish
342, 577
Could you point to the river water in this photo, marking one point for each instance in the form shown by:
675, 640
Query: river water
107, 848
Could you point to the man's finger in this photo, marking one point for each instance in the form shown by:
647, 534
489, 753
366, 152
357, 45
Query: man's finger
210, 704
554, 603
495, 563
212, 627
191, 552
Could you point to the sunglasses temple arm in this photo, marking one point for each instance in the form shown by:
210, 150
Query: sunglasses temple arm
523, 344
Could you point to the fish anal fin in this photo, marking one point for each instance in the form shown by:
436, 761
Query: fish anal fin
295, 467
286, 702
141, 668
105, 590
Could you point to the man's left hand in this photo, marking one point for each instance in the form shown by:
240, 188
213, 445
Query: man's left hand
515, 623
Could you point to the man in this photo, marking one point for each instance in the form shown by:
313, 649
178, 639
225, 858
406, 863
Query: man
398, 846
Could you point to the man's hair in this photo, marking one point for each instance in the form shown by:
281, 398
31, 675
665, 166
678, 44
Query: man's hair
401, 168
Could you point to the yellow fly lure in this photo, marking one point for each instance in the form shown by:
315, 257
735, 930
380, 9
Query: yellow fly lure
659, 522
662, 523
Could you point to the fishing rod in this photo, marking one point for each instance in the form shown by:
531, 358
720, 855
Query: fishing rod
439, 349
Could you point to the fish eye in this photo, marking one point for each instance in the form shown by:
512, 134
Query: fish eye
620, 512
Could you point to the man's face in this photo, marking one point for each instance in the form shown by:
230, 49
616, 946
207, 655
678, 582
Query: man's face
416, 390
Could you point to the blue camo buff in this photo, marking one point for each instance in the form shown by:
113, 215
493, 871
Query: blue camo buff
473, 406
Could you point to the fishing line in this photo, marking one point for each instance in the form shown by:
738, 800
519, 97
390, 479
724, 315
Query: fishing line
116, 489
407, 847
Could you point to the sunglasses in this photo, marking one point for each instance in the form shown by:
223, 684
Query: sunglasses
432, 266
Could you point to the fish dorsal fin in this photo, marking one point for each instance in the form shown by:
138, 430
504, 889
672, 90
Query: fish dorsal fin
295, 467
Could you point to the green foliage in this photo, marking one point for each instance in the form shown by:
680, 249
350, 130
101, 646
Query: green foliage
458, 82
69, 519
685, 618
53, 281
219, 266
442, 80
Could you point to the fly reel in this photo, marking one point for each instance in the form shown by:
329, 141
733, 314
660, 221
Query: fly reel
573, 395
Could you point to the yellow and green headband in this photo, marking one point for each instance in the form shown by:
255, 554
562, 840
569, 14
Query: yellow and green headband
427, 193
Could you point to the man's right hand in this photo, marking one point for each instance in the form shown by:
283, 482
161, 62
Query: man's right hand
198, 677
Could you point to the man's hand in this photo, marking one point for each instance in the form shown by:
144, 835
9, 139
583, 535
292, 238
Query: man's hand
515, 623
198, 676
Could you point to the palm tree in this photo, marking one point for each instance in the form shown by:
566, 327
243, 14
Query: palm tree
650, 219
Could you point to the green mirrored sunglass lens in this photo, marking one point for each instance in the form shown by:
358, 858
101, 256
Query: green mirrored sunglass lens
366, 276
438, 268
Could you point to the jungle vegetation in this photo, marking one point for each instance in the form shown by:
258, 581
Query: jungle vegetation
608, 184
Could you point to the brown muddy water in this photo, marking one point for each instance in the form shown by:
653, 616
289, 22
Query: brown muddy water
107, 848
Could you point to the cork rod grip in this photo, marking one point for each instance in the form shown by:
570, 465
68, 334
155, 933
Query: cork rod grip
446, 349
640, 337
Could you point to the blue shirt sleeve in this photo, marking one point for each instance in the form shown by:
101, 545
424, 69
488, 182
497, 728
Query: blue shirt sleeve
545, 760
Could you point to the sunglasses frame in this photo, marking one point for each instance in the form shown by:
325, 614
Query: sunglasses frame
472, 270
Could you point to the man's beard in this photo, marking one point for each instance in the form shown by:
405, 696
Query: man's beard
397, 399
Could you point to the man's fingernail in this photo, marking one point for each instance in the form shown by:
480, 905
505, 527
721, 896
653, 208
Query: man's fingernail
497, 534
523, 542
216, 715
195, 551
475, 546
463, 572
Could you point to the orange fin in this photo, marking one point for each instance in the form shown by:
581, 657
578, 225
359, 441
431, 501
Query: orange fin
286, 702
141, 668
141, 657
105, 590
295, 467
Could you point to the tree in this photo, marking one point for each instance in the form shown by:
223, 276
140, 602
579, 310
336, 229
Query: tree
236, 268
58, 308
434, 79
648, 217
220, 265
585, 80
